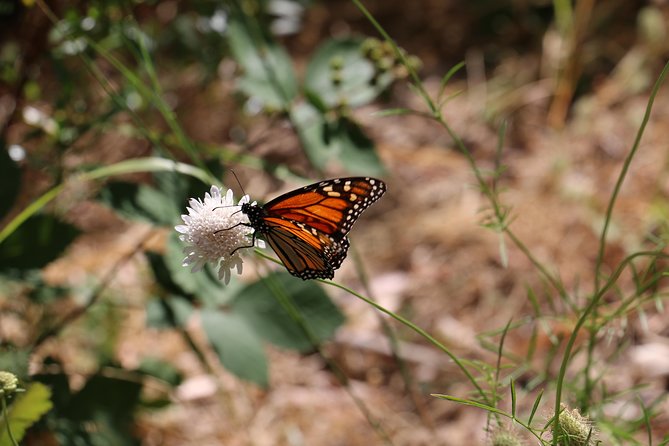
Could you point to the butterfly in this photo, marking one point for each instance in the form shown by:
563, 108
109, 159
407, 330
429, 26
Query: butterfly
307, 227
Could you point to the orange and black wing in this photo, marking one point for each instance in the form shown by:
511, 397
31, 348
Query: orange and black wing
330, 207
305, 251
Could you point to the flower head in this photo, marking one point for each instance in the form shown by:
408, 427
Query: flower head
9, 383
575, 429
216, 231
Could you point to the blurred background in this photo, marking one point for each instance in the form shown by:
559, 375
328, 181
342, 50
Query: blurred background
131, 348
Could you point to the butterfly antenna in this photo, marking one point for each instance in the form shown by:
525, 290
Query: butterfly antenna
238, 182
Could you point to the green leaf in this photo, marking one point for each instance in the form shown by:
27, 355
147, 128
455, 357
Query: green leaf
268, 71
10, 180
343, 59
339, 141
158, 205
358, 153
238, 347
447, 77
15, 361
258, 305
141, 202
162, 274
310, 124
161, 203
108, 403
40, 240
176, 190
202, 285
24, 411
168, 312
172, 261
122, 197
162, 370
59, 384
395, 112
535, 406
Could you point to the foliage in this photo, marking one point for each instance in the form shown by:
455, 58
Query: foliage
25, 411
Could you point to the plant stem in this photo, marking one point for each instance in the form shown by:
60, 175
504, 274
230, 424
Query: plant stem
6, 417
421, 332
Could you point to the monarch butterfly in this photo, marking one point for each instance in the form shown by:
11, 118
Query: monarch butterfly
307, 227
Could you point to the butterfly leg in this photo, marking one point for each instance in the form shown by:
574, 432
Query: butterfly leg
253, 243
253, 240
233, 227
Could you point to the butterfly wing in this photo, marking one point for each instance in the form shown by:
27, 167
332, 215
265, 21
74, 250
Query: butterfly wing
307, 227
331, 207
306, 252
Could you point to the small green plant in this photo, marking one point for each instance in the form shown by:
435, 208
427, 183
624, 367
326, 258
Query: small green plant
26, 408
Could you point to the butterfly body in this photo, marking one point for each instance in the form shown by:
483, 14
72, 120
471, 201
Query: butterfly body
307, 227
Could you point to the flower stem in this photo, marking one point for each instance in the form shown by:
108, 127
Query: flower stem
6, 417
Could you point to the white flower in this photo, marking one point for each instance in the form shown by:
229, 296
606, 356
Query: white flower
216, 231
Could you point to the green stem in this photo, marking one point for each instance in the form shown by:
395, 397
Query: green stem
485, 188
623, 173
123, 167
412, 72
494, 410
592, 308
581, 320
6, 417
418, 330
394, 345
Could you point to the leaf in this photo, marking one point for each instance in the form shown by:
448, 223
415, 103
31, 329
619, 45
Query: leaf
59, 384
358, 82
202, 285
339, 141
122, 197
162, 274
358, 153
238, 347
37, 242
162, 370
176, 189
10, 180
447, 77
161, 203
395, 112
258, 305
25, 411
268, 70
310, 123
140, 202
15, 361
109, 403
168, 312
